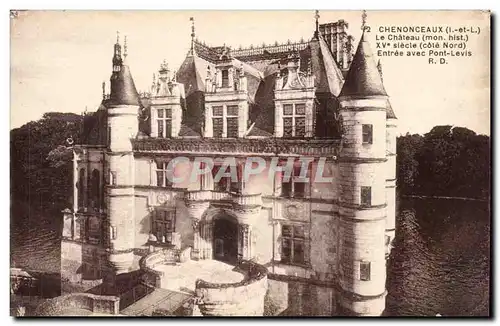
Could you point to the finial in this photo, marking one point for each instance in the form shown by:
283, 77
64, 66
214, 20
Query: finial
117, 37
379, 67
309, 67
316, 17
164, 65
193, 35
103, 89
125, 46
363, 20
174, 76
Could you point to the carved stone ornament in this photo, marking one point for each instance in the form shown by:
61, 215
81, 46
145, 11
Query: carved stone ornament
195, 222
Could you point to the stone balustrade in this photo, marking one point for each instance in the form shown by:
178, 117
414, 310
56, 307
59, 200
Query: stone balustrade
165, 256
199, 195
246, 200
98, 304
244, 298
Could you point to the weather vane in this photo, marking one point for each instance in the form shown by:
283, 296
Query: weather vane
316, 16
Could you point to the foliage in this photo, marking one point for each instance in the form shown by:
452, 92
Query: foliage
447, 161
41, 167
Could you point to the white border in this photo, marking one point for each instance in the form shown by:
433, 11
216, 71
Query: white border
185, 4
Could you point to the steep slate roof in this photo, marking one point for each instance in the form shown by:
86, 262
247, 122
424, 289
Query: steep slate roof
123, 89
363, 78
192, 73
328, 77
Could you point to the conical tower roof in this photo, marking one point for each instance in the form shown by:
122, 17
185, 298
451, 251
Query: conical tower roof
123, 91
363, 78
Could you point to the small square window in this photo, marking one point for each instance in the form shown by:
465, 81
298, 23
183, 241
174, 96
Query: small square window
367, 134
366, 196
217, 111
286, 230
288, 109
232, 110
364, 271
298, 231
300, 109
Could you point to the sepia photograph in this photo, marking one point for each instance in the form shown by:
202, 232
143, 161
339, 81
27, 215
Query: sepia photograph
285, 163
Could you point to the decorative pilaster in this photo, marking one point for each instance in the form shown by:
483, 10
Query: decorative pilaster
277, 240
195, 254
245, 241
195, 212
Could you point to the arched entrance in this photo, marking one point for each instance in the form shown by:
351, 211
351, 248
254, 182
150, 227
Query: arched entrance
225, 245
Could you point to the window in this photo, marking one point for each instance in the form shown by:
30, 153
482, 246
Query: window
232, 121
81, 189
163, 174
217, 120
164, 123
95, 189
225, 78
293, 242
294, 120
225, 121
294, 186
164, 225
367, 134
224, 182
364, 271
366, 196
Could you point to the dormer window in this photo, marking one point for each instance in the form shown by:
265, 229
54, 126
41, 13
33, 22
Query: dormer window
164, 121
225, 121
294, 120
225, 78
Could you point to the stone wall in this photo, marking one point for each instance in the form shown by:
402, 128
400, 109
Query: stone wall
288, 297
105, 305
245, 298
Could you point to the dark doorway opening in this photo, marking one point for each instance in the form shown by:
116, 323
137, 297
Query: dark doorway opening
225, 244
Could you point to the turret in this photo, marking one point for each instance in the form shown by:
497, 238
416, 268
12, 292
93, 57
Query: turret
123, 107
362, 188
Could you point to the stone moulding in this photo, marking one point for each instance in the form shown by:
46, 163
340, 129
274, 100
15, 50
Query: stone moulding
241, 146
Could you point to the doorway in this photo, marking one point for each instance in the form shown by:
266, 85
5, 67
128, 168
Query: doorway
225, 244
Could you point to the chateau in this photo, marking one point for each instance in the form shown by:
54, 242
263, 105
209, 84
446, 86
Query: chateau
321, 101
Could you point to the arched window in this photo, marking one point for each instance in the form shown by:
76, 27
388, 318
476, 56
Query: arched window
95, 187
81, 188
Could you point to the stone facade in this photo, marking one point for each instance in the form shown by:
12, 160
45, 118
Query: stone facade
331, 238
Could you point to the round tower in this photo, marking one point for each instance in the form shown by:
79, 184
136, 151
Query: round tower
390, 186
362, 188
123, 107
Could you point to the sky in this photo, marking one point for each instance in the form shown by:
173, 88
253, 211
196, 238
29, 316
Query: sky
59, 59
